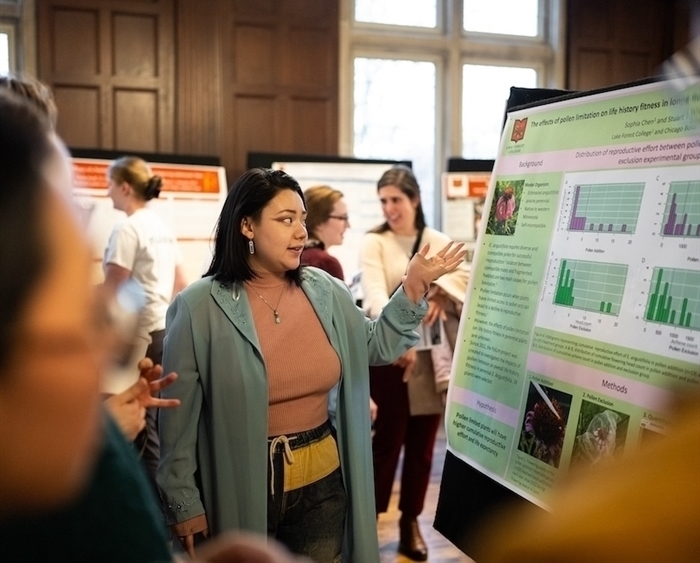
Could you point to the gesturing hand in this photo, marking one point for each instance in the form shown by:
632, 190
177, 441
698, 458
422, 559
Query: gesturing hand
128, 408
152, 374
423, 271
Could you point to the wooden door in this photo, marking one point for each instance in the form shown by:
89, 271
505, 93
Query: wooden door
280, 81
110, 65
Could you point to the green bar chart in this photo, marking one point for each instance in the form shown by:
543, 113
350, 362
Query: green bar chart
674, 298
591, 286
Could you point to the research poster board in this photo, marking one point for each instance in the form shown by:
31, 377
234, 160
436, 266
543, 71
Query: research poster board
358, 182
463, 196
582, 318
190, 202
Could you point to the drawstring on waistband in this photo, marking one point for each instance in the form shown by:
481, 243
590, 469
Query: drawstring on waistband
289, 456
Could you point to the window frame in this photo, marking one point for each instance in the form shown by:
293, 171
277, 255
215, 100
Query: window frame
10, 29
414, 56
450, 47
539, 69
541, 37
20, 16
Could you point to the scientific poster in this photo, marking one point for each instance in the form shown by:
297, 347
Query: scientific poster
582, 318
190, 202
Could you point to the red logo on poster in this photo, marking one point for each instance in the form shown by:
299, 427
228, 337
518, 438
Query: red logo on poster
518, 130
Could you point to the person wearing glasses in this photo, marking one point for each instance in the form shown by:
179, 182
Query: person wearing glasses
326, 223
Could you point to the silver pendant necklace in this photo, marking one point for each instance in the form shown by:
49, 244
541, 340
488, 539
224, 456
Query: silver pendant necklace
274, 310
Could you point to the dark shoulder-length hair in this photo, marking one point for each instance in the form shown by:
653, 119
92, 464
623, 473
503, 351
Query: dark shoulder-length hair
403, 178
25, 148
247, 198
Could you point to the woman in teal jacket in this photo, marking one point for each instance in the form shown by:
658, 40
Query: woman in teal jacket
237, 338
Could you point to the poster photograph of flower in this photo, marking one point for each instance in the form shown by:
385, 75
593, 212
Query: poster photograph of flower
544, 424
600, 434
503, 215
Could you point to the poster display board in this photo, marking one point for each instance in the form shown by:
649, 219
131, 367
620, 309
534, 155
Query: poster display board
463, 196
358, 182
582, 318
190, 202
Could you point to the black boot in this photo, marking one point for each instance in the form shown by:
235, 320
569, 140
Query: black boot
411, 543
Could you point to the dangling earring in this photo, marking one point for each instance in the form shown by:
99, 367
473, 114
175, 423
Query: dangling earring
251, 246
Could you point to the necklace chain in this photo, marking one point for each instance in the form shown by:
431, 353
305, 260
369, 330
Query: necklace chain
274, 310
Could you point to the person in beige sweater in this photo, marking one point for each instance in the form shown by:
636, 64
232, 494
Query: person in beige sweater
409, 407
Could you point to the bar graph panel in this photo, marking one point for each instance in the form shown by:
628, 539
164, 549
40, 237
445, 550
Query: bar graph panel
674, 298
682, 212
606, 208
591, 286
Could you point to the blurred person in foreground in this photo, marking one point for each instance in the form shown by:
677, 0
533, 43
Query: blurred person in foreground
643, 508
71, 488
68, 485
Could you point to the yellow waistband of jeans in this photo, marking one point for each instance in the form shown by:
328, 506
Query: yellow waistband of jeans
310, 463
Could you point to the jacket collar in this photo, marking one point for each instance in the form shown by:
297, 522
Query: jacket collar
235, 305
233, 301
318, 289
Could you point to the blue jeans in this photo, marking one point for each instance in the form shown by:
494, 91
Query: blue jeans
309, 520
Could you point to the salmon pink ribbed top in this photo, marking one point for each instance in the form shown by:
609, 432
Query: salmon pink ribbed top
302, 366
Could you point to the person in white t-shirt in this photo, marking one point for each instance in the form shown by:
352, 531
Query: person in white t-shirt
143, 248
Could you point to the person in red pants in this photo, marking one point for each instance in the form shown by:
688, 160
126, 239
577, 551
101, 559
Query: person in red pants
409, 404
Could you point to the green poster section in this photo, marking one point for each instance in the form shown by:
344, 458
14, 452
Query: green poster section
582, 319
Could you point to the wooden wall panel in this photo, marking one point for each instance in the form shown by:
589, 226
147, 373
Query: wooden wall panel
635, 65
592, 67
617, 41
306, 62
135, 45
285, 53
311, 125
256, 123
254, 55
136, 120
219, 78
199, 91
75, 41
79, 118
123, 51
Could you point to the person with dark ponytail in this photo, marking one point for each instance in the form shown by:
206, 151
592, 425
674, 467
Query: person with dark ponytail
143, 248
